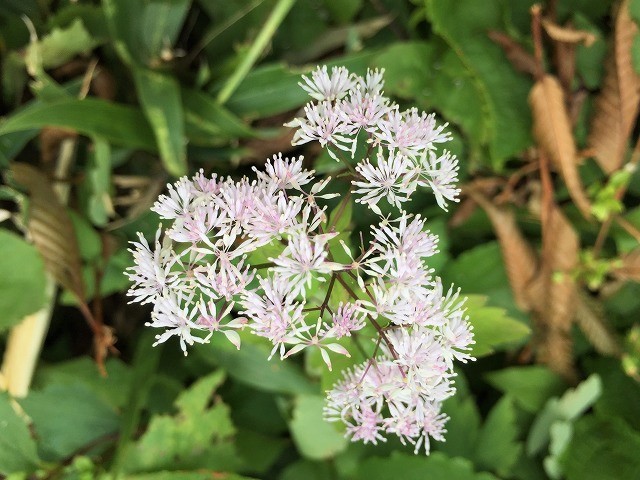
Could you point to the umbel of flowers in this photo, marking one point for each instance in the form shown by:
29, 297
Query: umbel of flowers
201, 278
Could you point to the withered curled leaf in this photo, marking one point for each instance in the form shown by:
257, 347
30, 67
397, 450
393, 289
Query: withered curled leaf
552, 130
616, 108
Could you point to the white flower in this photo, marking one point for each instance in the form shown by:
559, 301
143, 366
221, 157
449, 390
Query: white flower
175, 313
284, 173
322, 86
304, 259
392, 178
441, 175
210, 319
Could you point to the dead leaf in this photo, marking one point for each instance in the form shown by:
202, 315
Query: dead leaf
51, 229
591, 319
521, 59
630, 266
519, 258
616, 107
567, 34
552, 130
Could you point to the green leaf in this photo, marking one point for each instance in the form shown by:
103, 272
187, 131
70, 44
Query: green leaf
315, 438
112, 389
560, 435
250, 365
462, 428
572, 404
590, 60
198, 436
497, 447
17, 448
118, 124
530, 387
99, 182
419, 467
208, 122
464, 25
602, 449
160, 25
343, 11
58, 47
68, 417
201, 474
307, 470
272, 89
493, 329
22, 279
259, 452
159, 96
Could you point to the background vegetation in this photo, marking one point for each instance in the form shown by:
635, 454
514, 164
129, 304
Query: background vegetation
105, 102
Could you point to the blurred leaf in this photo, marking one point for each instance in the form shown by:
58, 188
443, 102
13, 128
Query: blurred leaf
464, 26
119, 124
99, 175
68, 417
51, 229
206, 118
560, 434
17, 448
572, 404
590, 60
307, 470
272, 89
89, 242
58, 47
315, 438
198, 436
497, 447
418, 467
530, 387
462, 428
200, 474
553, 132
22, 279
493, 329
259, 452
111, 389
250, 365
616, 107
159, 96
160, 25
602, 449
343, 11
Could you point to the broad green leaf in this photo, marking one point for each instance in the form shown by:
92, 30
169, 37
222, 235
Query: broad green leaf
572, 404
259, 452
58, 47
560, 434
343, 11
17, 448
67, 417
22, 279
198, 436
119, 124
272, 89
112, 389
308, 470
463, 426
209, 122
530, 387
419, 467
464, 25
590, 60
89, 242
250, 365
602, 449
497, 448
200, 474
159, 96
493, 329
315, 438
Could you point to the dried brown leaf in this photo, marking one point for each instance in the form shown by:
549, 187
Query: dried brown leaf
568, 34
552, 130
520, 58
591, 319
560, 256
51, 229
630, 266
519, 258
616, 107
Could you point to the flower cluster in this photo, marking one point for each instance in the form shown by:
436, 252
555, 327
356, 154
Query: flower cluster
208, 270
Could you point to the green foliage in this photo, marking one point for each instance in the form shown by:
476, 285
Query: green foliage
179, 85
17, 448
22, 279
